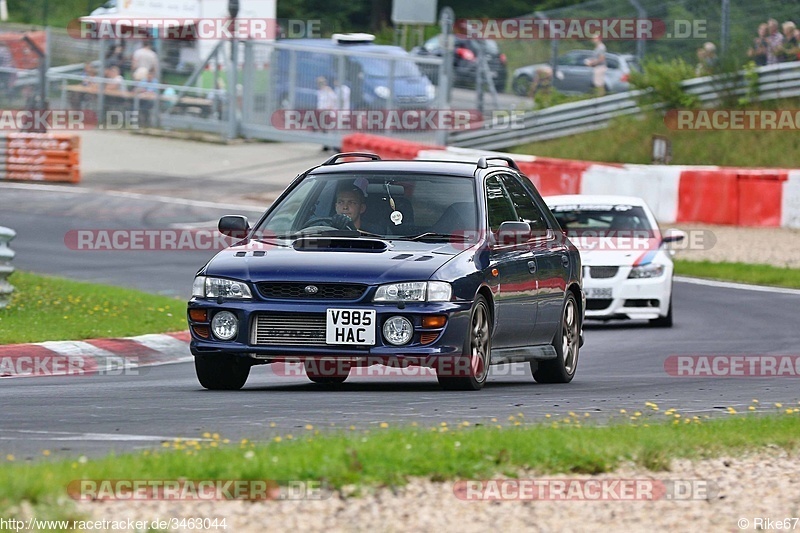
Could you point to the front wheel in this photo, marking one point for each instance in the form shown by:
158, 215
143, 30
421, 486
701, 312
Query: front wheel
567, 344
471, 369
221, 372
663, 321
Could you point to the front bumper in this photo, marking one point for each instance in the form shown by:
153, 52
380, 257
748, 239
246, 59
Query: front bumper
449, 340
642, 298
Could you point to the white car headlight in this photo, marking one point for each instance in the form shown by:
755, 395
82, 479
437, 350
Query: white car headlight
225, 325
414, 291
382, 91
650, 270
205, 287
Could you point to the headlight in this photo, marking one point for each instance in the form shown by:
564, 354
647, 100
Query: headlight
382, 91
204, 287
414, 291
650, 270
398, 330
225, 325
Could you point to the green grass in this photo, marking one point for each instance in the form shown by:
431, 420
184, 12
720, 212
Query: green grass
50, 309
740, 272
629, 140
387, 456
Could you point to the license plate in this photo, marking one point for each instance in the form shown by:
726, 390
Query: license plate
350, 326
600, 293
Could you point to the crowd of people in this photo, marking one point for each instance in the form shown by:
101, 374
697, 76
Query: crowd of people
776, 43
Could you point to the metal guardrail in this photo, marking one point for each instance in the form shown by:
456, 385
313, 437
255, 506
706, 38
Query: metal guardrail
6, 255
774, 82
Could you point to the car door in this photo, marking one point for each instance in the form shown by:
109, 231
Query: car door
573, 75
515, 282
548, 255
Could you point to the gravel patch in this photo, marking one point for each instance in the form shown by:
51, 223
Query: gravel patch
769, 246
763, 484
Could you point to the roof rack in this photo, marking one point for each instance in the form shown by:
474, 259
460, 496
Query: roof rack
335, 158
483, 162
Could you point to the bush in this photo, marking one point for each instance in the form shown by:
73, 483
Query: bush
662, 81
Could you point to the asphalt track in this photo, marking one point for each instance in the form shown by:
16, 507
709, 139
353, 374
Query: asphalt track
621, 364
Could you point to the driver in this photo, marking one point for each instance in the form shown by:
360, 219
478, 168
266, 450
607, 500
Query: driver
351, 202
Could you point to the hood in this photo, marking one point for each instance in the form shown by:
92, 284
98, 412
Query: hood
616, 252
387, 262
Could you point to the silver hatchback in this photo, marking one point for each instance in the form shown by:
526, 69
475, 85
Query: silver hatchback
573, 76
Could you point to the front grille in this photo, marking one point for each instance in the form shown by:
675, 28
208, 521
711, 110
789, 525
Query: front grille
297, 291
288, 329
603, 272
597, 304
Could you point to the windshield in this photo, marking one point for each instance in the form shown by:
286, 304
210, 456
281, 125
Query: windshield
603, 221
392, 206
381, 68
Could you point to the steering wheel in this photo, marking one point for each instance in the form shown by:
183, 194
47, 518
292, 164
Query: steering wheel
336, 222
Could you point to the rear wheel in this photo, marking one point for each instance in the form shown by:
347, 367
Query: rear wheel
471, 369
221, 372
567, 345
326, 371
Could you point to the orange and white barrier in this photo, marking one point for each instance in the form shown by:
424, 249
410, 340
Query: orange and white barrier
53, 157
675, 193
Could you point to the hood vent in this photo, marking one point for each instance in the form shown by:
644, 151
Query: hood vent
338, 244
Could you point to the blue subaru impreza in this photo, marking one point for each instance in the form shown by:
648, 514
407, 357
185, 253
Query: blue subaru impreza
449, 265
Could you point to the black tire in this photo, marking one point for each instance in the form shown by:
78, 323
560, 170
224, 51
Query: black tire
337, 375
567, 345
521, 85
663, 321
471, 370
221, 372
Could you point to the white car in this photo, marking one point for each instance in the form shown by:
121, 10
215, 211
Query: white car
627, 269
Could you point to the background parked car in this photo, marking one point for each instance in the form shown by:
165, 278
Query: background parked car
465, 60
574, 76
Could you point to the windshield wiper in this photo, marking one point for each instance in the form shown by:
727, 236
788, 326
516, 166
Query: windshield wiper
433, 236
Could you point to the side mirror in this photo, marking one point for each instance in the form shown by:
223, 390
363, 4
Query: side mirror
513, 232
235, 226
673, 235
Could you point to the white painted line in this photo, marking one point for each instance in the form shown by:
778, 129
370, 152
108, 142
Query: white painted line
162, 343
134, 196
66, 436
742, 286
75, 349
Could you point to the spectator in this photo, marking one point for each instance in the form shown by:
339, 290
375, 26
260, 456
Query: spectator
117, 81
542, 82
89, 71
147, 92
790, 45
598, 62
116, 58
759, 50
706, 59
774, 41
342, 95
146, 58
326, 101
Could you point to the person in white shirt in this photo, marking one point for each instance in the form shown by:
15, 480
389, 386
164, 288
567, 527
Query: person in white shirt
146, 58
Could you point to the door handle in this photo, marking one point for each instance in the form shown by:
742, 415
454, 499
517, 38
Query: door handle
532, 267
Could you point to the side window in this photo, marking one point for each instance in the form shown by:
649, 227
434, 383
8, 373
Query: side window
498, 205
526, 208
